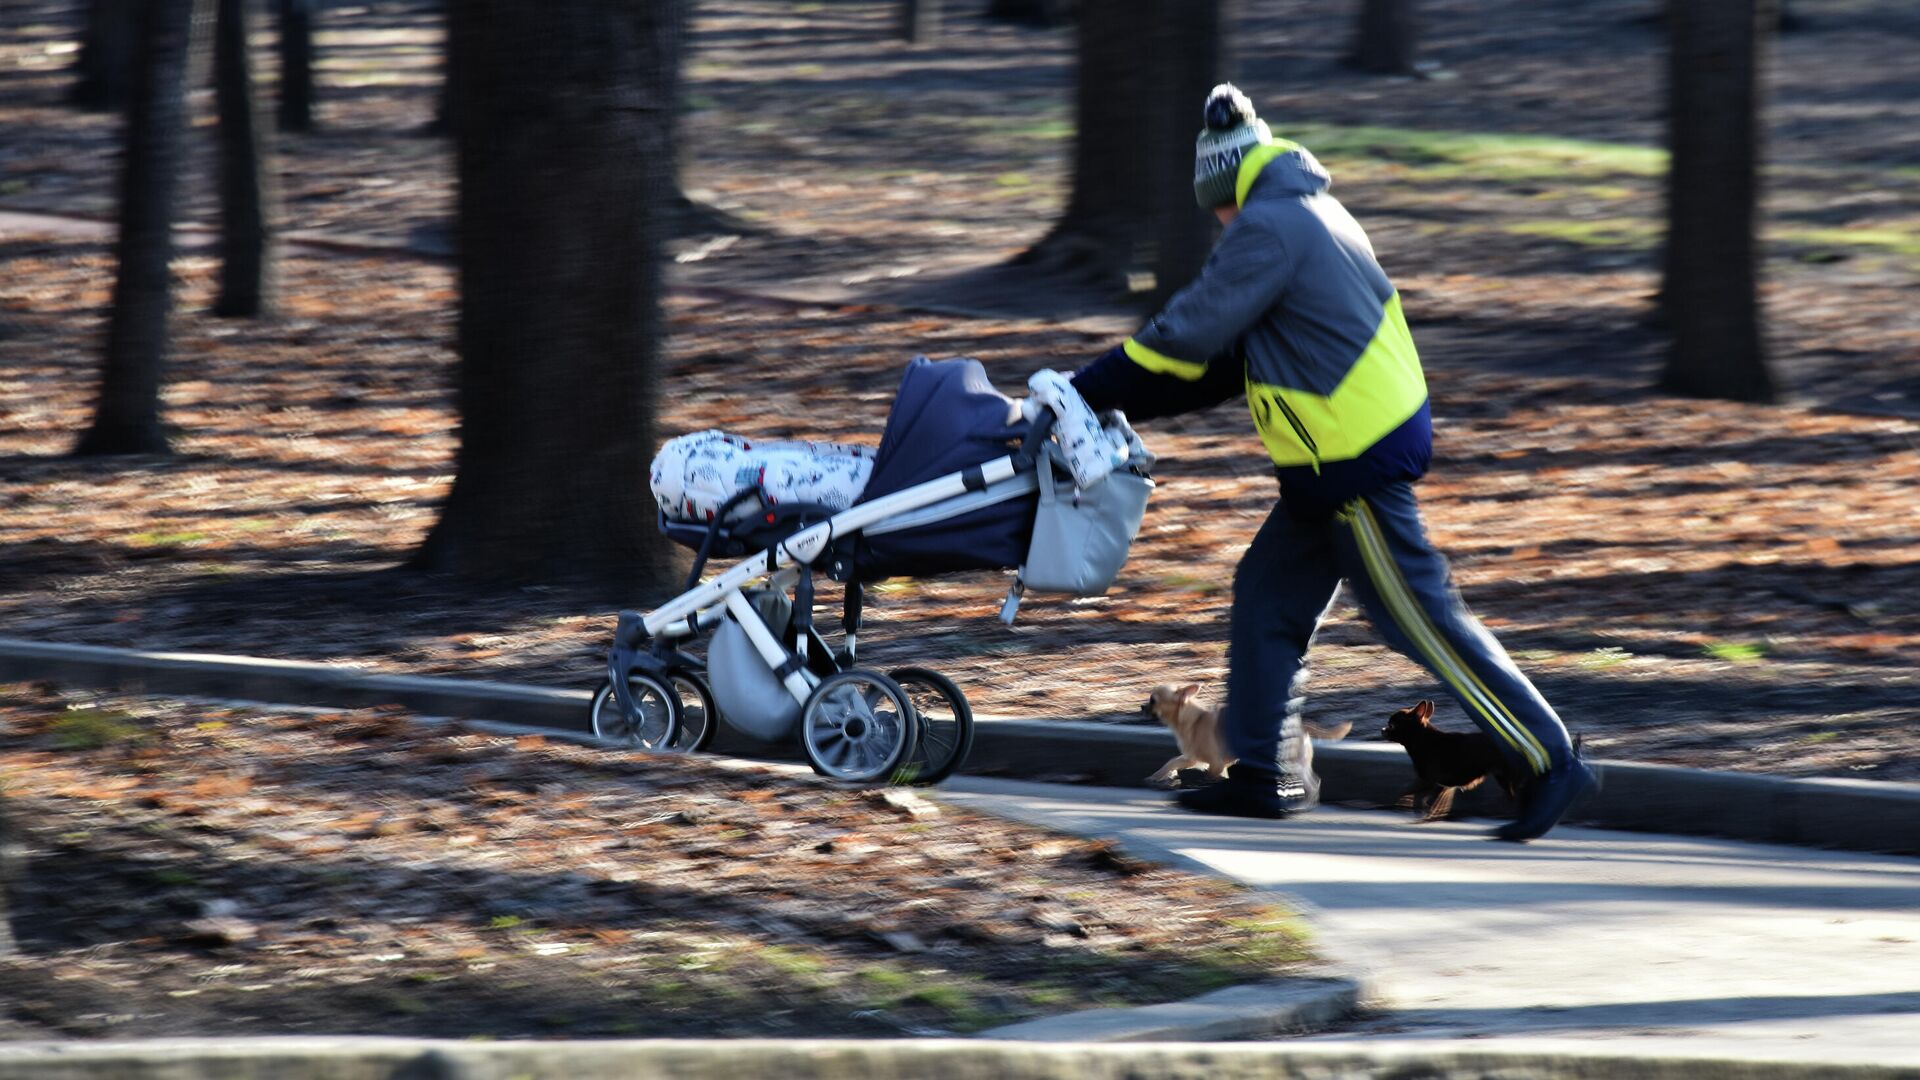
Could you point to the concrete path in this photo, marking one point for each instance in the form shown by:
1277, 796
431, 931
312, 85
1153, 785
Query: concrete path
1657, 944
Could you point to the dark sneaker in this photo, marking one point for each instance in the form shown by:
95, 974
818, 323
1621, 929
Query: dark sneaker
1546, 799
1253, 793
1299, 797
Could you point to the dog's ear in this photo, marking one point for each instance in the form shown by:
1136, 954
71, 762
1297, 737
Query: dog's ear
1185, 693
1424, 710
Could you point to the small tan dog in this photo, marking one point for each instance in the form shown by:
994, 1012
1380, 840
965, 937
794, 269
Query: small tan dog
1197, 729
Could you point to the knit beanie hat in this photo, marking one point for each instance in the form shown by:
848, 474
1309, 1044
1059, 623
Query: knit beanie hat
1231, 131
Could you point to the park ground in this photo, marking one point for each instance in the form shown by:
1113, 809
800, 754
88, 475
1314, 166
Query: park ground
1695, 583
1692, 583
217, 870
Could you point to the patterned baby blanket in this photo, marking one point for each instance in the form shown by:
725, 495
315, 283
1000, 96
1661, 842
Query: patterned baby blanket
694, 475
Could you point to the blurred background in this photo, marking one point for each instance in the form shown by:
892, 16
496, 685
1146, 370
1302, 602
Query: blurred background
330, 331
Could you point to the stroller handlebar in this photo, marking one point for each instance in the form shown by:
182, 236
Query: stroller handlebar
1034, 444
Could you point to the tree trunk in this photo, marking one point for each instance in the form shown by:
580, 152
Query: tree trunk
126, 419
1038, 12
247, 205
108, 51
296, 65
563, 120
1131, 224
1710, 287
919, 21
1383, 40
8, 865
442, 122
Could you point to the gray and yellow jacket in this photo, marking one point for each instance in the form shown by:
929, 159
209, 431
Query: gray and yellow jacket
1292, 310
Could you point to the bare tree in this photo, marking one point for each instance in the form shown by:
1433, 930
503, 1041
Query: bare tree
126, 418
1038, 12
296, 65
920, 21
1710, 289
104, 69
9, 861
563, 121
1131, 223
247, 203
1383, 40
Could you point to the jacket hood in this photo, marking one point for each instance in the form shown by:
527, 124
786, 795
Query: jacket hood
1281, 169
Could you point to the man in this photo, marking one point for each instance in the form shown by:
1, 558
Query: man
1292, 310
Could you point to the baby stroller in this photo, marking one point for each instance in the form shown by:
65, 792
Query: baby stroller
962, 480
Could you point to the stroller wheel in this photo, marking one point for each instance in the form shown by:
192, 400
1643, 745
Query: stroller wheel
946, 724
858, 727
698, 714
656, 722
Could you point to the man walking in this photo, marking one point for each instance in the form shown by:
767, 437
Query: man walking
1293, 311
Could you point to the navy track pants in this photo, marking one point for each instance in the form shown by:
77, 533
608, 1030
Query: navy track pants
1284, 586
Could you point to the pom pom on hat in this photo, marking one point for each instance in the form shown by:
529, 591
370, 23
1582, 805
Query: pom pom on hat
1228, 108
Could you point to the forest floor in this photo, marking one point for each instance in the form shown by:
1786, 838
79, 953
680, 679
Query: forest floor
1695, 583
202, 870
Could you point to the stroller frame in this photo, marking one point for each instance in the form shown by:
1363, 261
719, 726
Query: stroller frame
647, 643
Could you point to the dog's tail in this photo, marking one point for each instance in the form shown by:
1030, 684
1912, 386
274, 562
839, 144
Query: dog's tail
1323, 731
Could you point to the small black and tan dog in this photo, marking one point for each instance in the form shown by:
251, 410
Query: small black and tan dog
1446, 762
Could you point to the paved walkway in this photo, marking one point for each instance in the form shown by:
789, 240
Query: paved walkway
1669, 942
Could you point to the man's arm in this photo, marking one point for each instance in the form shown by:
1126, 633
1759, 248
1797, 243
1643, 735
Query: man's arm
1185, 358
1114, 381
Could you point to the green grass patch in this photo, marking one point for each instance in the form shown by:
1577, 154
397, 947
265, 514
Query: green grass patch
1189, 583
162, 538
1477, 155
1736, 652
1272, 939
956, 999
1055, 129
1892, 240
1601, 659
1636, 233
1051, 996
790, 961
886, 980
94, 729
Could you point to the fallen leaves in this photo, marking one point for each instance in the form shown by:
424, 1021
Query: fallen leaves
303, 872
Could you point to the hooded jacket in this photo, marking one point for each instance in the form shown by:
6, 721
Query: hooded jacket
1292, 310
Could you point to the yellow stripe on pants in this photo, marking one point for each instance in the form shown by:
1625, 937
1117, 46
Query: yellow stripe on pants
1406, 610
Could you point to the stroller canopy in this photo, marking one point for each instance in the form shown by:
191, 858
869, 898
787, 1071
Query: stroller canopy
946, 417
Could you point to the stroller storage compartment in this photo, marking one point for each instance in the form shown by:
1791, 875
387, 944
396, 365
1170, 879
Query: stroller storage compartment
1081, 536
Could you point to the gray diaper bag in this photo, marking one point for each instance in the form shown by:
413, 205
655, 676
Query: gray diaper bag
1080, 535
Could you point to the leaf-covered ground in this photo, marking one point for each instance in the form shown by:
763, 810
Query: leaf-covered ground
1695, 583
198, 869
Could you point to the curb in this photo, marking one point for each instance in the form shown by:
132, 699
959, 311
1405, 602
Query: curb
1251, 1011
350, 1058
1854, 815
